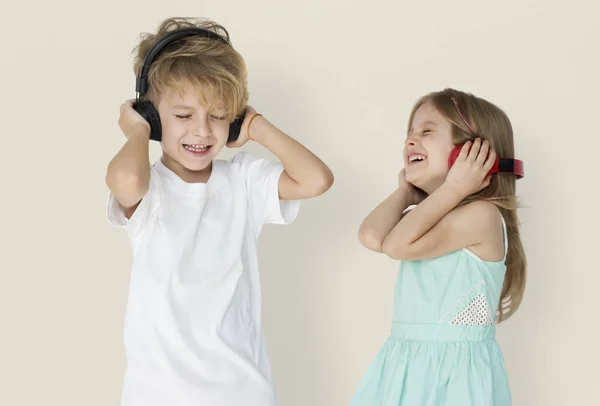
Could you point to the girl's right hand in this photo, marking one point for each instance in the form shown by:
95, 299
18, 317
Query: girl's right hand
414, 194
131, 121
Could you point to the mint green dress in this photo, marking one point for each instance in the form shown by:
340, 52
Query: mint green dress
442, 348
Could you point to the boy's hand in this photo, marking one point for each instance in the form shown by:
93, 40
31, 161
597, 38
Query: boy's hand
131, 121
245, 131
469, 174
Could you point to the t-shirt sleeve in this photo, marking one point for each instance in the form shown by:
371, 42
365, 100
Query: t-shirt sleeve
145, 213
261, 178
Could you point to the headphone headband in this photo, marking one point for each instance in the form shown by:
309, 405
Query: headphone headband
509, 165
141, 82
145, 107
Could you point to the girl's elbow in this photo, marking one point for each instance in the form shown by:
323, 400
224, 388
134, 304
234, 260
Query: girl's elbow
369, 240
395, 250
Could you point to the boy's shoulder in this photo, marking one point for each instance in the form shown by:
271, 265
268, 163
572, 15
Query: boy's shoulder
244, 158
245, 164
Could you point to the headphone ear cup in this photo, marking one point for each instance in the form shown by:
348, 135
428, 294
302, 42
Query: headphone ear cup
236, 127
147, 110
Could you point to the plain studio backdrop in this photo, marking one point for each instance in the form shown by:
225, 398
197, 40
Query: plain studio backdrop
340, 77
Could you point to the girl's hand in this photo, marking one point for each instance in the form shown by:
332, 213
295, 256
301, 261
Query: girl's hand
414, 194
131, 121
469, 174
244, 136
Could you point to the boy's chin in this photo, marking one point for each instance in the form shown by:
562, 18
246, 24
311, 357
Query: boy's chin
196, 167
196, 164
197, 161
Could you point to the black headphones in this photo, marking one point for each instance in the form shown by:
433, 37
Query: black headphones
145, 107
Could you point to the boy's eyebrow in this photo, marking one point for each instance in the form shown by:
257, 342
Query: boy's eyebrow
182, 106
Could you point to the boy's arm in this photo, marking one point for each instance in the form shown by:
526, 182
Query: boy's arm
305, 175
128, 173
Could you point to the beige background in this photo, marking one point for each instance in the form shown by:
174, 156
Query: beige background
341, 78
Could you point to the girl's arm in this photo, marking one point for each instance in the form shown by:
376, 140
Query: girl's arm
436, 226
378, 224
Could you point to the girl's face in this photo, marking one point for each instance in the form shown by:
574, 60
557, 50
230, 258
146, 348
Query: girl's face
427, 148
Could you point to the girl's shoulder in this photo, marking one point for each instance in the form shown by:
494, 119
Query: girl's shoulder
486, 217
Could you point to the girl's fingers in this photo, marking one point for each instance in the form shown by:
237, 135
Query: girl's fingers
475, 150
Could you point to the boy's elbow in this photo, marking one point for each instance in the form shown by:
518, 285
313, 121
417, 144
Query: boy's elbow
117, 178
128, 187
324, 182
319, 184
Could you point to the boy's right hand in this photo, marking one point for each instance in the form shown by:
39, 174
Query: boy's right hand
130, 121
244, 135
414, 194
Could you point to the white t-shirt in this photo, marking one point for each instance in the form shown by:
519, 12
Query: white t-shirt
193, 330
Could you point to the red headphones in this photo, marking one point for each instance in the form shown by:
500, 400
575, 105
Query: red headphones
504, 165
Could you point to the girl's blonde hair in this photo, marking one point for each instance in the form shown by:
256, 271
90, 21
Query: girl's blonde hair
489, 122
215, 69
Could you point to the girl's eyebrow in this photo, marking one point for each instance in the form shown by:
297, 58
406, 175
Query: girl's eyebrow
431, 123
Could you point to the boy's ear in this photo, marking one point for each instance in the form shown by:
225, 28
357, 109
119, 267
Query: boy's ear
147, 110
235, 127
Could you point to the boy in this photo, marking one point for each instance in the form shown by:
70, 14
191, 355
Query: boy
193, 332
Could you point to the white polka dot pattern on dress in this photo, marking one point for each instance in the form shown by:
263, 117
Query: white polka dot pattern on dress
477, 313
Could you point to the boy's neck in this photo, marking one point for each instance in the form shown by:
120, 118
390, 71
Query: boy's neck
184, 173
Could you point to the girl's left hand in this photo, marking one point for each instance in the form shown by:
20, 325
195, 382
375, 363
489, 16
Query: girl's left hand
469, 174
414, 194
243, 137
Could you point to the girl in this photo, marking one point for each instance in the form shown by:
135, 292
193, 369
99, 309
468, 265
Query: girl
463, 264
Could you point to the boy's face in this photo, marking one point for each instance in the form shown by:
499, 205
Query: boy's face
191, 134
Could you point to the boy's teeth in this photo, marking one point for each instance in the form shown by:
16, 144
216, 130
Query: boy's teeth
196, 148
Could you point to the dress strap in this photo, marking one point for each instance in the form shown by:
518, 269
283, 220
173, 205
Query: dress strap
505, 236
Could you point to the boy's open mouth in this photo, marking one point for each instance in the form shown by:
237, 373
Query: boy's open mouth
197, 149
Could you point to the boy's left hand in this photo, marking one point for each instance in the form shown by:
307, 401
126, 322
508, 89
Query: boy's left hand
243, 137
469, 174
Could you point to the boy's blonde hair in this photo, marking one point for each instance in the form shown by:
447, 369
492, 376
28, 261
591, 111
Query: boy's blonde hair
215, 69
490, 123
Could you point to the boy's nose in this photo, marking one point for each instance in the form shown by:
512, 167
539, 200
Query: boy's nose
201, 129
